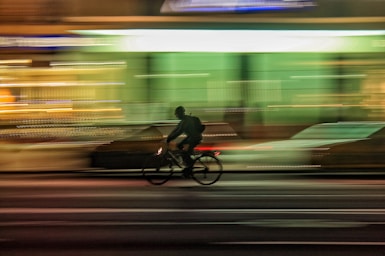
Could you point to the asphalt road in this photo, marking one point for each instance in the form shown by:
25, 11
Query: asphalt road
102, 213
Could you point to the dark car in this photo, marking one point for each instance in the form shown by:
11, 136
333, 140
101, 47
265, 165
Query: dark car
337, 145
365, 150
131, 152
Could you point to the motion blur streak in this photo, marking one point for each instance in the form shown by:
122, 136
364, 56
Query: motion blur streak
254, 72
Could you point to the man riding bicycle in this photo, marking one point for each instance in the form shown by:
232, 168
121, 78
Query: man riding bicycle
189, 126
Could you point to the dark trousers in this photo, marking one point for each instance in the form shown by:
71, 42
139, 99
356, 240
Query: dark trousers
188, 152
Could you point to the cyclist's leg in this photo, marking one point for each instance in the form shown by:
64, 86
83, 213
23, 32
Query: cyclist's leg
184, 146
189, 149
181, 144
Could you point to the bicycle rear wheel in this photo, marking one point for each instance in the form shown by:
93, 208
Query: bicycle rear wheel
207, 169
157, 169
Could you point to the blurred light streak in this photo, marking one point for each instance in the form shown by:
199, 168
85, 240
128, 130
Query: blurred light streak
335, 211
305, 106
208, 40
230, 33
281, 166
15, 61
220, 135
330, 76
223, 148
59, 110
217, 19
331, 95
97, 110
89, 63
302, 243
317, 106
14, 105
50, 41
253, 81
172, 75
257, 148
239, 6
59, 84
234, 110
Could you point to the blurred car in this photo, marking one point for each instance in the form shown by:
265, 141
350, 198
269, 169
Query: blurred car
130, 153
337, 145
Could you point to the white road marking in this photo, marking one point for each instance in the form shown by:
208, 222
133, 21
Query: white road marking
174, 195
340, 243
310, 223
380, 211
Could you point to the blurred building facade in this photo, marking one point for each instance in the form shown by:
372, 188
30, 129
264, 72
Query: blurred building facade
53, 75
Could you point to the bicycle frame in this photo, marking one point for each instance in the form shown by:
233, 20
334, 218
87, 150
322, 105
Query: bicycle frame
174, 153
207, 168
168, 152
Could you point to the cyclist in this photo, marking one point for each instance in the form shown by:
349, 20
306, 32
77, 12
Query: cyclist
188, 126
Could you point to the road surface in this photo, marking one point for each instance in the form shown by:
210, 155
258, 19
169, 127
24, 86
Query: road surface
98, 213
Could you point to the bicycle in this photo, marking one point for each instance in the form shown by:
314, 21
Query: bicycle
158, 168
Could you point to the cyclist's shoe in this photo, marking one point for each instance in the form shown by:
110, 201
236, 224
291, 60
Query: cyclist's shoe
187, 172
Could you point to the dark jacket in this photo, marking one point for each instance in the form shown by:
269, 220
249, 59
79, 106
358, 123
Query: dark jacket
186, 126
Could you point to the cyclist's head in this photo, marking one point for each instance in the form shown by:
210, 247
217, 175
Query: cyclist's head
179, 112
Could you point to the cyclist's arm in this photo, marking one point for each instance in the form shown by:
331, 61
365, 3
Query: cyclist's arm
176, 132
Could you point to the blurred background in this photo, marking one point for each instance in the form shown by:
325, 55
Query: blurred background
91, 72
88, 86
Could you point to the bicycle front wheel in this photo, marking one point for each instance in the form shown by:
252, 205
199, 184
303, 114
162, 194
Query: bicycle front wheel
157, 169
207, 169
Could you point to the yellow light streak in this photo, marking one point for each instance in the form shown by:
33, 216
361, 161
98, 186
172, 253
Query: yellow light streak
55, 110
22, 61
